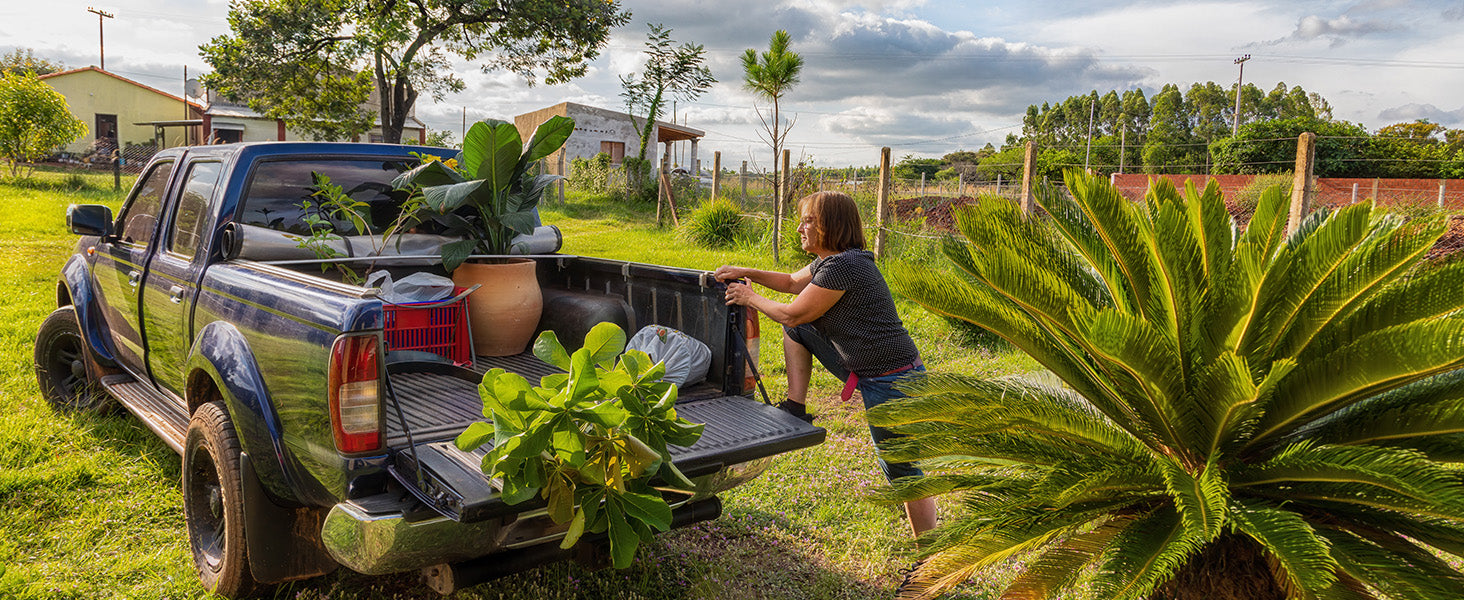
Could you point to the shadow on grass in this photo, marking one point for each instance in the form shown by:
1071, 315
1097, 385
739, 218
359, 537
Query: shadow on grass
724, 558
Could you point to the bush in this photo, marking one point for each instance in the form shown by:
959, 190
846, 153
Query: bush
716, 224
592, 175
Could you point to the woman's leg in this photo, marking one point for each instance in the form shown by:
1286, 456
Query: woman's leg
921, 514
800, 368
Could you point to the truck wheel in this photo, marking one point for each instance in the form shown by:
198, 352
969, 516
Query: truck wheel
61, 365
213, 503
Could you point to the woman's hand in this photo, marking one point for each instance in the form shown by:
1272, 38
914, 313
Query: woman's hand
729, 272
740, 293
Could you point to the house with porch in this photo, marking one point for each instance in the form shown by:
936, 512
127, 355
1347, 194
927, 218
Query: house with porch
599, 130
228, 122
119, 111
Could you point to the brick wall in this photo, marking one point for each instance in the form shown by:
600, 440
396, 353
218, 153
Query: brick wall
1330, 190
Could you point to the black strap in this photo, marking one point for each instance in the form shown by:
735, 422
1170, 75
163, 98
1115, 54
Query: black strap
737, 329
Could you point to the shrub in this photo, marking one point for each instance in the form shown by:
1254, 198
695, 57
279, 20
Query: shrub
715, 224
1262, 415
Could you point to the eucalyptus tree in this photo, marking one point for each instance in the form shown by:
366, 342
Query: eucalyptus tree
1228, 414
315, 63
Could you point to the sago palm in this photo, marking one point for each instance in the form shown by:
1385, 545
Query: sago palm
1240, 415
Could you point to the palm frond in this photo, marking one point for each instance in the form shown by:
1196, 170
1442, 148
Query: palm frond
1386, 254
1058, 567
1070, 221
1385, 570
1292, 542
955, 562
1360, 472
1119, 228
1433, 407
1145, 554
1202, 500
1375, 363
1267, 228
1299, 269
1425, 293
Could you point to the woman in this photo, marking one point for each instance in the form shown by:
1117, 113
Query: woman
844, 315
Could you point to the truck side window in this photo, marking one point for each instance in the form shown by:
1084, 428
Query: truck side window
195, 209
140, 217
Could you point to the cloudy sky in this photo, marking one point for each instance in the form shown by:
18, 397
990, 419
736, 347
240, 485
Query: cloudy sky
923, 77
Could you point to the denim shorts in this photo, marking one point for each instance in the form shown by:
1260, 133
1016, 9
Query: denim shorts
874, 390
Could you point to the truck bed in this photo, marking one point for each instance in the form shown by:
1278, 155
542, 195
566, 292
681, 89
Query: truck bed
439, 400
439, 406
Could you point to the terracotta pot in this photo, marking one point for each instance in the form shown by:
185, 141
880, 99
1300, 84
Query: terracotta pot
504, 313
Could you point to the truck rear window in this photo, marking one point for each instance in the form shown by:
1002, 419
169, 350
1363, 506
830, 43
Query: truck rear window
278, 191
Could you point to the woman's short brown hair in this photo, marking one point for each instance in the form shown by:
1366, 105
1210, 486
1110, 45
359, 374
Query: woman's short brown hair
836, 223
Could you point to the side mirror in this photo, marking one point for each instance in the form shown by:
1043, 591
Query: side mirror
89, 219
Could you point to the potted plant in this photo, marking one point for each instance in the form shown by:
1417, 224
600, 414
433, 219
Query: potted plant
487, 199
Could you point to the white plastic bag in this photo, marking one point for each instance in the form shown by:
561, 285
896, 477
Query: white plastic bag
417, 287
687, 360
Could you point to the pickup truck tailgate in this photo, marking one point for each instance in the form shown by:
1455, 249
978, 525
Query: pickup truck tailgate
432, 402
738, 430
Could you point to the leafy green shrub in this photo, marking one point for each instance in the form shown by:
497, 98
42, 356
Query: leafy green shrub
716, 224
593, 175
1275, 412
1244, 201
588, 440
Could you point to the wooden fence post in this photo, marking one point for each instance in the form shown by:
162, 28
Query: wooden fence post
881, 201
1301, 183
742, 177
716, 173
1029, 173
564, 171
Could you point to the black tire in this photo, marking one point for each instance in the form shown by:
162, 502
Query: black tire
213, 503
61, 370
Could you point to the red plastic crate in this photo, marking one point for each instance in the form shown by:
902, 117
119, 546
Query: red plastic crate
440, 329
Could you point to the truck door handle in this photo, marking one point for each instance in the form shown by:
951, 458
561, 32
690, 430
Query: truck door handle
175, 294
134, 277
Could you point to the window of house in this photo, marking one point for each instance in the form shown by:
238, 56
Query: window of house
140, 217
194, 209
616, 150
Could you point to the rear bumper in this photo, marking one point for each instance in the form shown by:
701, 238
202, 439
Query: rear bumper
389, 533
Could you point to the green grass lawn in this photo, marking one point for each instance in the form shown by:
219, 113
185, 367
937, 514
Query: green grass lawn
90, 506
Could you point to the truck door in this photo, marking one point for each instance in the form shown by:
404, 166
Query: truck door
122, 262
172, 278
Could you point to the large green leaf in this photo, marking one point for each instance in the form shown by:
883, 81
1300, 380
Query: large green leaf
550, 135
450, 197
604, 342
428, 174
548, 349
504, 149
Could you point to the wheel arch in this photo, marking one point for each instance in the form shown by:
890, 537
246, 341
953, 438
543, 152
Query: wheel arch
221, 366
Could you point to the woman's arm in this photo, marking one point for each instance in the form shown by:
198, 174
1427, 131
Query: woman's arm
810, 304
787, 283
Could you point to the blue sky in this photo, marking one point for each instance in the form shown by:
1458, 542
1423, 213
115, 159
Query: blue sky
924, 77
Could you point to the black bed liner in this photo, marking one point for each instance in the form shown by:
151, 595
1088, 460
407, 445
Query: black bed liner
439, 401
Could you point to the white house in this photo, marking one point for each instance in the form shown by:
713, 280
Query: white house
599, 130
227, 122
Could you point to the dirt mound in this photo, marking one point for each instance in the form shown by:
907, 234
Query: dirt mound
936, 210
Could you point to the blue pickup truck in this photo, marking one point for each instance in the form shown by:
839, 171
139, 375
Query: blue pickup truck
198, 311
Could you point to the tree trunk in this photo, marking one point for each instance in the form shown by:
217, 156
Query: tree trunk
1233, 567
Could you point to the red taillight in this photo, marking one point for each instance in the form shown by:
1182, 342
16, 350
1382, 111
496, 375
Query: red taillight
355, 397
753, 332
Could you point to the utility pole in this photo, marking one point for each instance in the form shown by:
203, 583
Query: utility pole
1239, 84
101, 44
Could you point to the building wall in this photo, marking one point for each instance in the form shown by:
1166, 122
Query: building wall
1331, 191
591, 127
260, 129
89, 93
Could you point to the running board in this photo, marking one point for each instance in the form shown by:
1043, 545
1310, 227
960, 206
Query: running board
158, 412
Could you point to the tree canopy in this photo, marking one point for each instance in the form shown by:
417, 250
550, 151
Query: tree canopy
22, 60
34, 120
675, 71
317, 64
